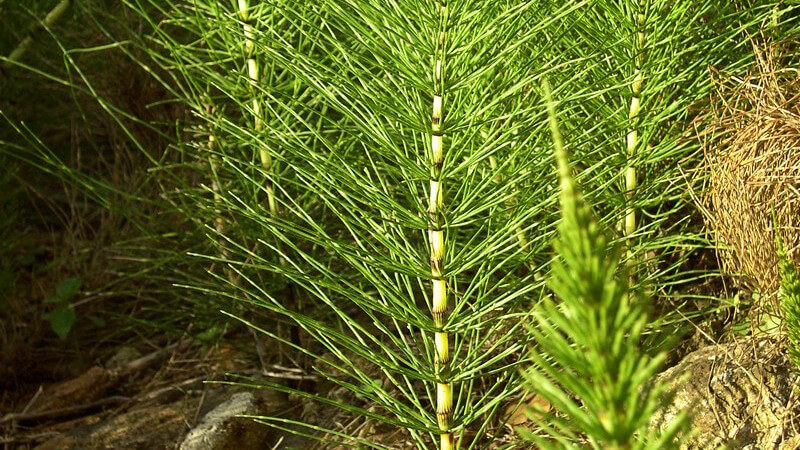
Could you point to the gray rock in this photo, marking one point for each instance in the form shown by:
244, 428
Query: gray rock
221, 429
739, 395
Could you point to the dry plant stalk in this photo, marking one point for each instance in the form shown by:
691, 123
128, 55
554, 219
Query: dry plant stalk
752, 160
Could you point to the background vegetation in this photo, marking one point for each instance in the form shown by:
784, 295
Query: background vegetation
372, 189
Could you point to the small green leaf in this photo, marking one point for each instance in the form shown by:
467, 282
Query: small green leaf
68, 288
61, 320
53, 299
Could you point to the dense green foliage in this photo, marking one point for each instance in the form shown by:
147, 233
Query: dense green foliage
789, 297
378, 178
588, 361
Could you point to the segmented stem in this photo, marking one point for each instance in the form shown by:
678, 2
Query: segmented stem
444, 392
258, 126
49, 20
632, 139
258, 121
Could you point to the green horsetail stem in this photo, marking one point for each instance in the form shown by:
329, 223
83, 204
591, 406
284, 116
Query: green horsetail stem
258, 125
49, 20
216, 189
632, 139
258, 121
444, 391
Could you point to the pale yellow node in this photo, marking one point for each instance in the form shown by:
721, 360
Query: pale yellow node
243, 9
252, 69
446, 442
439, 295
442, 346
634, 111
435, 198
444, 407
436, 148
631, 140
444, 397
436, 238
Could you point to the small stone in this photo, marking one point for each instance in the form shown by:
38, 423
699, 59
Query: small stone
221, 429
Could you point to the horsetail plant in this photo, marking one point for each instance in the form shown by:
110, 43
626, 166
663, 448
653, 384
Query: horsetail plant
216, 69
435, 348
789, 296
444, 390
588, 361
641, 70
415, 210
632, 138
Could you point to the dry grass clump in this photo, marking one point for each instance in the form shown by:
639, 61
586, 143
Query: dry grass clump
752, 159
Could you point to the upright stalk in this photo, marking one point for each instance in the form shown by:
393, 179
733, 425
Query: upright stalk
49, 20
632, 141
253, 74
258, 121
216, 188
444, 389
